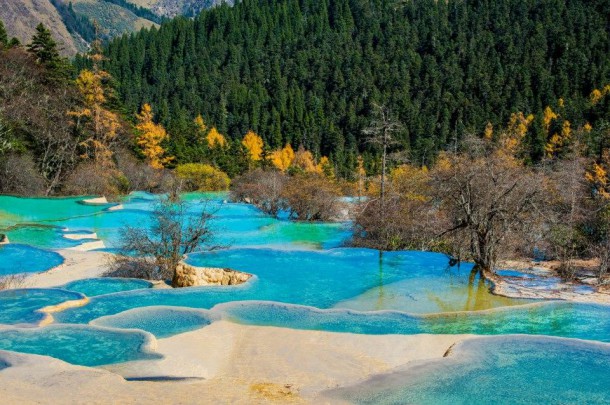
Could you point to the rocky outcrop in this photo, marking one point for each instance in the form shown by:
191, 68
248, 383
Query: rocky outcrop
191, 276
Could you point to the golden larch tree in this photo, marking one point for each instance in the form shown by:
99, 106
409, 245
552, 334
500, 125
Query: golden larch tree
303, 159
201, 128
254, 145
150, 138
215, 138
282, 159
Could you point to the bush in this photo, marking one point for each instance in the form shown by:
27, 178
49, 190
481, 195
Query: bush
263, 188
312, 197
202, 177
19, 176
90, 179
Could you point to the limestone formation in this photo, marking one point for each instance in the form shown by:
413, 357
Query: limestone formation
190, 276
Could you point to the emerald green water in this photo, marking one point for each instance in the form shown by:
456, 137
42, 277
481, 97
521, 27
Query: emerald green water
304, 278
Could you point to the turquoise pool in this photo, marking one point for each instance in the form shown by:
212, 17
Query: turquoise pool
92, 287
18, 258
83, 345
511, 369
304, 278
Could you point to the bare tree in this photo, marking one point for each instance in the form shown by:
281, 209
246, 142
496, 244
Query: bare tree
491, 199
154, 253
36, 110
311, 197
263, 188
381, 132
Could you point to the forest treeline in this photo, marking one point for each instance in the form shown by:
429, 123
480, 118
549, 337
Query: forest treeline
308, 72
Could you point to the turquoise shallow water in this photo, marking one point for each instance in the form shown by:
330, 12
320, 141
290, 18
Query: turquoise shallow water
552, 318
100, 286
303, 279
22, 305
160, 321
83, 345
511, 369
321, 279
17, 258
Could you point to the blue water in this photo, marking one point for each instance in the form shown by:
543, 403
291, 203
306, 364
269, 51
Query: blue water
321, 279
100, 286
583, 321
515, 370
17, 259
83, 345
160, 321
22, 305
303, 279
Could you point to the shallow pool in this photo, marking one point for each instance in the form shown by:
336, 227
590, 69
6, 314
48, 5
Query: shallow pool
22, 306
160, 321
17, 259
511, 369
303, 279
80, 344
92, 287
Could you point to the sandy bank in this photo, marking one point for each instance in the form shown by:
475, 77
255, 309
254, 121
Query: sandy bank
95, 201
77, 265
225, 363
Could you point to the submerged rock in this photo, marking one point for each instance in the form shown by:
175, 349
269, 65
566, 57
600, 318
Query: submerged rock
191, 276
3, 239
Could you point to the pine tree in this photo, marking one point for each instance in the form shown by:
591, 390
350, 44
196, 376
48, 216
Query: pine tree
44, 47
46, 52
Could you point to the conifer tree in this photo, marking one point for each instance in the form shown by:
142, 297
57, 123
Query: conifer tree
45, 50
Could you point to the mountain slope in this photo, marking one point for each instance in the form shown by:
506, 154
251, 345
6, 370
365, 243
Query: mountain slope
71, 21
308, 72
113, 19
21, 17
173, 8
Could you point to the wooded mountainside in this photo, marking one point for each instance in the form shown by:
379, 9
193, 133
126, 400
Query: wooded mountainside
307, 72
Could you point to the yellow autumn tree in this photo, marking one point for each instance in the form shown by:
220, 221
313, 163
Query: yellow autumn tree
512, 139
215, 138
201, 128
326, 168
282, 159
254, 145
150, 137
598, 177
411, 182
597, 95
304, 160
489, 131
548, 117
559, 141
99, 124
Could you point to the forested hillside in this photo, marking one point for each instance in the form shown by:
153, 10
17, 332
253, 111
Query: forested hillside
307, 72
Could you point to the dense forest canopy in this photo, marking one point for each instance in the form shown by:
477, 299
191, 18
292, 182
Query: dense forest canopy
307, 72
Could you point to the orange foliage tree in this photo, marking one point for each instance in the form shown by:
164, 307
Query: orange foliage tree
215, 138
254, 145
282, 159
150, 138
